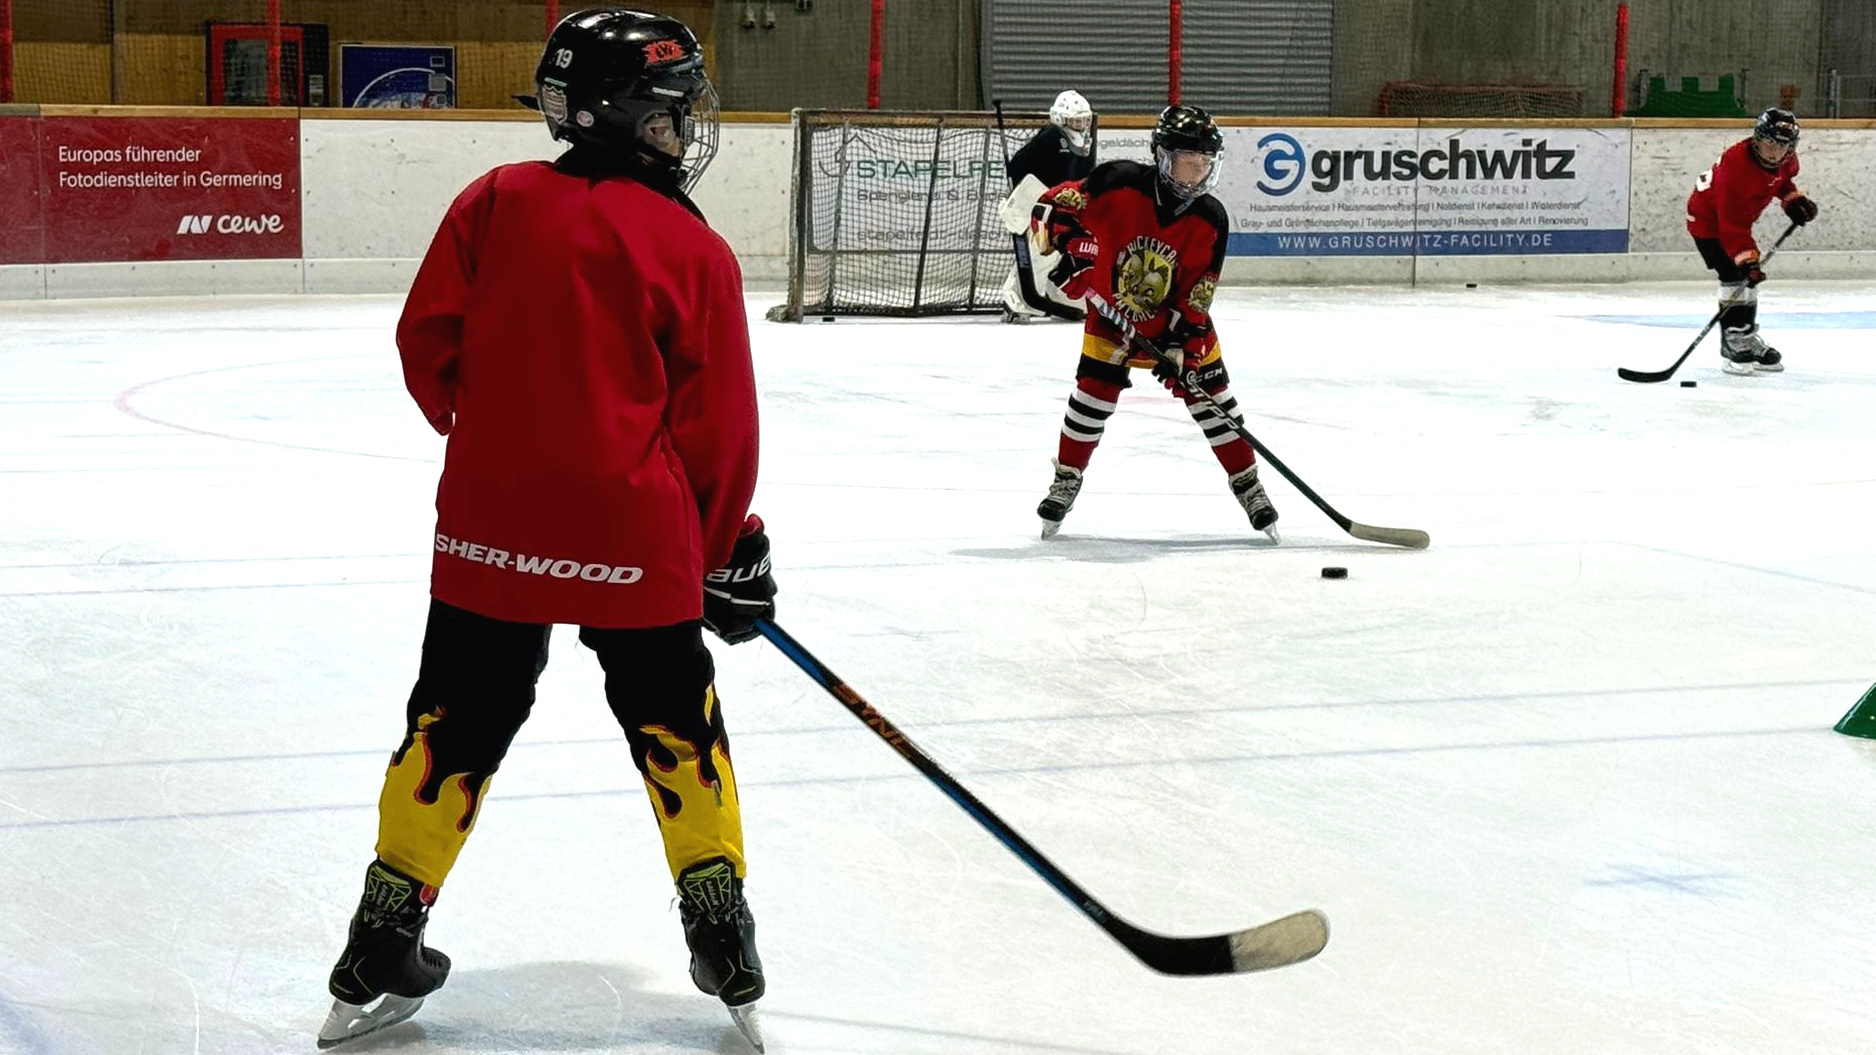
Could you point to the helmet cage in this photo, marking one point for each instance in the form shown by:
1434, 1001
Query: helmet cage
1172, 159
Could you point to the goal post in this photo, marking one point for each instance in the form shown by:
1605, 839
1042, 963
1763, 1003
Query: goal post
895, 213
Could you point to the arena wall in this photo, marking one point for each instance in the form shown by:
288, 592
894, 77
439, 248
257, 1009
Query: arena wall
357, 208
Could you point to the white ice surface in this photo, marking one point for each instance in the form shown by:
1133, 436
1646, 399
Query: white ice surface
1565, 782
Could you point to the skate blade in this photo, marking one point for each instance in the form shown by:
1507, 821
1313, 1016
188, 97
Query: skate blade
1050, 527
1775, 368
745, 1019
1738, 369
1275, 539
347, 1022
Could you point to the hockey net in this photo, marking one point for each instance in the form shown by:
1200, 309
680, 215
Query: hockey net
896, 212
1410, 99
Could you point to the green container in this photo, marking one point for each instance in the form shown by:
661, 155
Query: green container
1861, 721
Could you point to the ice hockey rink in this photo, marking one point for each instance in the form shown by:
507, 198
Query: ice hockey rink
1565, 782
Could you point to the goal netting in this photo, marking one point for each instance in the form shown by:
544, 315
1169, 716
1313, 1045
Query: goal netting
896, 212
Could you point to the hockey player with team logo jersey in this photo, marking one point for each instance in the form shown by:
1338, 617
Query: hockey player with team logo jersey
1149, 240
577, 331
1727, 199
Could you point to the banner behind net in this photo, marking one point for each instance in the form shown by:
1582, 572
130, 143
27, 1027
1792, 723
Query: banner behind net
897, 213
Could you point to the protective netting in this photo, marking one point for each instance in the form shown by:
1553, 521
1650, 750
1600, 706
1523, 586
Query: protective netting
307, 53
897, 213
1407, 99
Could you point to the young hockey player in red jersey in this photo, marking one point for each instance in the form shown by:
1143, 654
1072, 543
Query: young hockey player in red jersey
1150, 241
1726, 201
577, 331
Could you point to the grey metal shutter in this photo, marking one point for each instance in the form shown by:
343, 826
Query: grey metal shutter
1240, 56
1258, 56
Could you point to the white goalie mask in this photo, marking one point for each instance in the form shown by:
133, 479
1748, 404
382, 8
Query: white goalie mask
1072, 114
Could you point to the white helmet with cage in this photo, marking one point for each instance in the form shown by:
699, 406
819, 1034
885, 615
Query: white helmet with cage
1072, 114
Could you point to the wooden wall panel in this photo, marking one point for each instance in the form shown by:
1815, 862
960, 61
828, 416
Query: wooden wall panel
61, 72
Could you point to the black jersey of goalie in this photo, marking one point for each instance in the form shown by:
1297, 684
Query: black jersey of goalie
1048, 158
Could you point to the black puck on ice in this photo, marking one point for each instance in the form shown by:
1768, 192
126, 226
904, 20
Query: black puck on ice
1689, 384
1335, 573
1472, 285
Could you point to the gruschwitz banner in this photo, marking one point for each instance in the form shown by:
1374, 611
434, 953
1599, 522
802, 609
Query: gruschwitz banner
1426, 191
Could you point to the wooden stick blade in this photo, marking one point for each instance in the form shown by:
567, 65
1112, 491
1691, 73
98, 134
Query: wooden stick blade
1281, 942
1411, 538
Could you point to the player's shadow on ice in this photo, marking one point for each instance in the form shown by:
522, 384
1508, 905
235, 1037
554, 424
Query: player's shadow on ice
1103, 549
559, 1006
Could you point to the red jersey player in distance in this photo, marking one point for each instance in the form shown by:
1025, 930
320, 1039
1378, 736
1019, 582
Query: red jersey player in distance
578, 332
1149, 240
1726, 201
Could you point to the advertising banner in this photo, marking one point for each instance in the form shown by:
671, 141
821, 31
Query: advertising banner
397, 76
132, 188
1426, 191
22, 209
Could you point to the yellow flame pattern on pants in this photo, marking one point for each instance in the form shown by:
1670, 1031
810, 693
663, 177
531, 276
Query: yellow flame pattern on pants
420, 835
693, 793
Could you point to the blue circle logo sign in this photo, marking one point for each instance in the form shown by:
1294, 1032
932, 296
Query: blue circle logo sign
1282, 163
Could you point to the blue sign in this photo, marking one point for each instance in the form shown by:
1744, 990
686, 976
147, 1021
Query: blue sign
397, 76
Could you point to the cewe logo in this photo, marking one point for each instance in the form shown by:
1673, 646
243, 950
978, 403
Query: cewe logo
203, 223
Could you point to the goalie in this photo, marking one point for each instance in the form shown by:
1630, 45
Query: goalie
1061, 152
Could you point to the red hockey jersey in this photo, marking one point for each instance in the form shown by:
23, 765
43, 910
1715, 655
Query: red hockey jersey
1729, 197
1156, 263
582, 343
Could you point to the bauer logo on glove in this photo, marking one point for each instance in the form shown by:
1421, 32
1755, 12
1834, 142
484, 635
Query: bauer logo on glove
742, 591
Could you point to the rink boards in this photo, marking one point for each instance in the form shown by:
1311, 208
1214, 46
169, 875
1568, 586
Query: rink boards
103, 201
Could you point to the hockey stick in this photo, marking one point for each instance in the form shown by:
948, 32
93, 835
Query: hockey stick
1279, 943
1648, 377
1411, 538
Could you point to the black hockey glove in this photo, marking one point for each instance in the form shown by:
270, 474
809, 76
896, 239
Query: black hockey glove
742, 591
1800, 209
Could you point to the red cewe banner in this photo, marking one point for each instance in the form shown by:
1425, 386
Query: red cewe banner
22, 208
170, 188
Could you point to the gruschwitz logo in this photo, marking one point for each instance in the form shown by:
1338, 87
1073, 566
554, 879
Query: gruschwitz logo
1284, 163
205, 222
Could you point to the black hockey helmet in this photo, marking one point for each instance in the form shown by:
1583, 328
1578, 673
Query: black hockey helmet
1189, 149
1777, 126
629, 81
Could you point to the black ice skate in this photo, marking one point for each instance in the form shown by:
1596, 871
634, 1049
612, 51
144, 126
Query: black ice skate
1743, 351
1256, 503
1062, 492
721, 934
386, 970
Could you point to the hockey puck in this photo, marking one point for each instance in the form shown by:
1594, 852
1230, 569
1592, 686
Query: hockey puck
1472, 285
1335, 573
1689, 384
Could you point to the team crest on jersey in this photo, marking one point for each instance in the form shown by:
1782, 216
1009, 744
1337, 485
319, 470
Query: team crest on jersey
1201, 298
1146, 277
